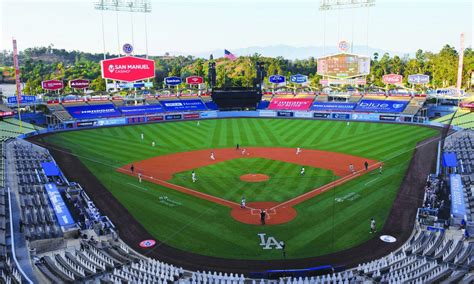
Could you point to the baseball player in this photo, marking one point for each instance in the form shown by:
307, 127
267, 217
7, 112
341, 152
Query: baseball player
140, 177
142, 136
193, 176
380, 169
153, 144
197, 124
243, 151
242, 202
302, 171
212, 156
372, 226
351, 168
298, 151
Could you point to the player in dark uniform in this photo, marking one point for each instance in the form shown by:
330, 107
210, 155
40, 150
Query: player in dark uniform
262, 216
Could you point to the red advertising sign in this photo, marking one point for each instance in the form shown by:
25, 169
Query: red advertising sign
128, 69
52, 85
392, 79
79, 83
194, 80
290, 104
6, 113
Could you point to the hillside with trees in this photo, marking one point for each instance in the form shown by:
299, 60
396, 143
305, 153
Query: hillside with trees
43, 63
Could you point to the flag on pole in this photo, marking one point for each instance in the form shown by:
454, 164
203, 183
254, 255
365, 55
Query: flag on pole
229, 55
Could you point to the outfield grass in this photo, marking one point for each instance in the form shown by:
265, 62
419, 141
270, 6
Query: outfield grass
333, 221
223, 180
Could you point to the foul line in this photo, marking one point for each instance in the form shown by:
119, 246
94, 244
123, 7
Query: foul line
137, 186
310, 194
371, 181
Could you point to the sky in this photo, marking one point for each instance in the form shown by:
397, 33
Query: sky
193, 26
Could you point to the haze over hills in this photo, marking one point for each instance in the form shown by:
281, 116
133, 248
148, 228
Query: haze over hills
291, 52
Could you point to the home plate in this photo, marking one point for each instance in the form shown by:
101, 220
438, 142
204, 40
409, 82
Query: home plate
388, 239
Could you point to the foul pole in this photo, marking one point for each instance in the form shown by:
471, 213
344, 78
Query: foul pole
460, 65
17, 80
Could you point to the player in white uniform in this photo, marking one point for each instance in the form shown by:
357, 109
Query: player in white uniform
193, 176
302, 171
372, 226
212, 156
298, 151
242, 202
142, 136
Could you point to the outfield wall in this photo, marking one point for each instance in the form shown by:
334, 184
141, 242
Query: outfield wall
213, 114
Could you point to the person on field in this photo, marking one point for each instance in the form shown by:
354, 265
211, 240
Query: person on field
193, 176
372, 226
262, 216
132, 168
153, 144
298, 151
351, 168
302, 171
139, 177
197, 124
243, 151
366, 165
212, 156
380, 169
243, 202
142, 136
237, 147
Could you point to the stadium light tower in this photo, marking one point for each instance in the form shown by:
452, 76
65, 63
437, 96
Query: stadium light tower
326, 5
344, 4
132, 6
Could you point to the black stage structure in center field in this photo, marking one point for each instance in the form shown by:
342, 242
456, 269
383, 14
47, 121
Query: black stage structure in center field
237, 98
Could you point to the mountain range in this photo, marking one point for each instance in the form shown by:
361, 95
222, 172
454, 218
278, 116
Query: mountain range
292, 52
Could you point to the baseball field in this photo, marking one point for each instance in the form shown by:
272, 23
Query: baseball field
325, 210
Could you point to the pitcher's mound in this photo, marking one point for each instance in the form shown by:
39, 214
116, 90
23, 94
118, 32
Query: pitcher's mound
254, 177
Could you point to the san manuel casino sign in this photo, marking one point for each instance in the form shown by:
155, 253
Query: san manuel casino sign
128, 69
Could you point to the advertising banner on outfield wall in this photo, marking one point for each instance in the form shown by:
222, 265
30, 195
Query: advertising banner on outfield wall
266, 113
155, 118
133, 120
139, 110
303, 114
290, 104
208, 114
173, 116
388, 118
321, 115
191, 115
340, 115
112, 121
285, 113
85, 123
93, 111
332, 106
365, 116
381, 106
183, 105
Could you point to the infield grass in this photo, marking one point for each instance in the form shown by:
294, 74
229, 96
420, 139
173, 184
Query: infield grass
333, 221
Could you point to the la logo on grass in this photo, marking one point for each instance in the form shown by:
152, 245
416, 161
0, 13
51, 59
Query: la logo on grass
269, 242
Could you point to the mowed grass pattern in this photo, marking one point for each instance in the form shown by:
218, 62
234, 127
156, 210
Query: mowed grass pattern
322, 226
223, 180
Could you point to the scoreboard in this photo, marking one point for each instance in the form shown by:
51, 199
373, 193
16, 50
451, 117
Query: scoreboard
343, 65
